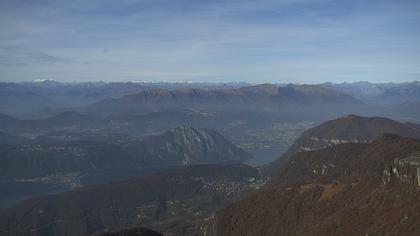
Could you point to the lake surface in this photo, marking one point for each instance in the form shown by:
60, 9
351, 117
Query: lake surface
15, 192
12, 193
265, 156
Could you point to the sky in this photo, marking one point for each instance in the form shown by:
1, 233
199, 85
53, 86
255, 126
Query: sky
256, 41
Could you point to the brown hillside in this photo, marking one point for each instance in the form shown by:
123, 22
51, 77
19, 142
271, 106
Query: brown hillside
349, 189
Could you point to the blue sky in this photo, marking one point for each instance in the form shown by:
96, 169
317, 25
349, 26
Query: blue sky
285, 41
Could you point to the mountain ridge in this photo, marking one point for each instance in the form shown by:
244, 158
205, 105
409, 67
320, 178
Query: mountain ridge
348, 189
267, 94
350, 128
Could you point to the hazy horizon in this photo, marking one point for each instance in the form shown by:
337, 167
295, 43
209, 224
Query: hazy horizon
303, 41
206, 82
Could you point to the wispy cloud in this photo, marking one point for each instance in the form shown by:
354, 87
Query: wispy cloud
14, 56
267, 40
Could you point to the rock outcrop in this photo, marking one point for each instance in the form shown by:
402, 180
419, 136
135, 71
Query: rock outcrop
404, 169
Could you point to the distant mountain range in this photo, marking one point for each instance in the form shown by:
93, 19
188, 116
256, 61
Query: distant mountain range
28, 97
252, 94
381, 93
291, 101
34, 100
348, 189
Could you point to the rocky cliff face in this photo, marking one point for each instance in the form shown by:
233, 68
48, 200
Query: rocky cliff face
405, 169
192, 146
348, 189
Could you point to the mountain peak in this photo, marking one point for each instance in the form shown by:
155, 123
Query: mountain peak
352, 129
43, 80
351, 117
183, 128
196, 146
268, 89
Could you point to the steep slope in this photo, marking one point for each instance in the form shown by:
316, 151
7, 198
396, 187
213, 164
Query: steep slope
175, 202
180, 146
186, 145
348, 189
352, 129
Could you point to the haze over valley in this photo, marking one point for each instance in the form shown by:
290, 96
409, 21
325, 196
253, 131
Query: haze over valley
209, 118
198, 132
